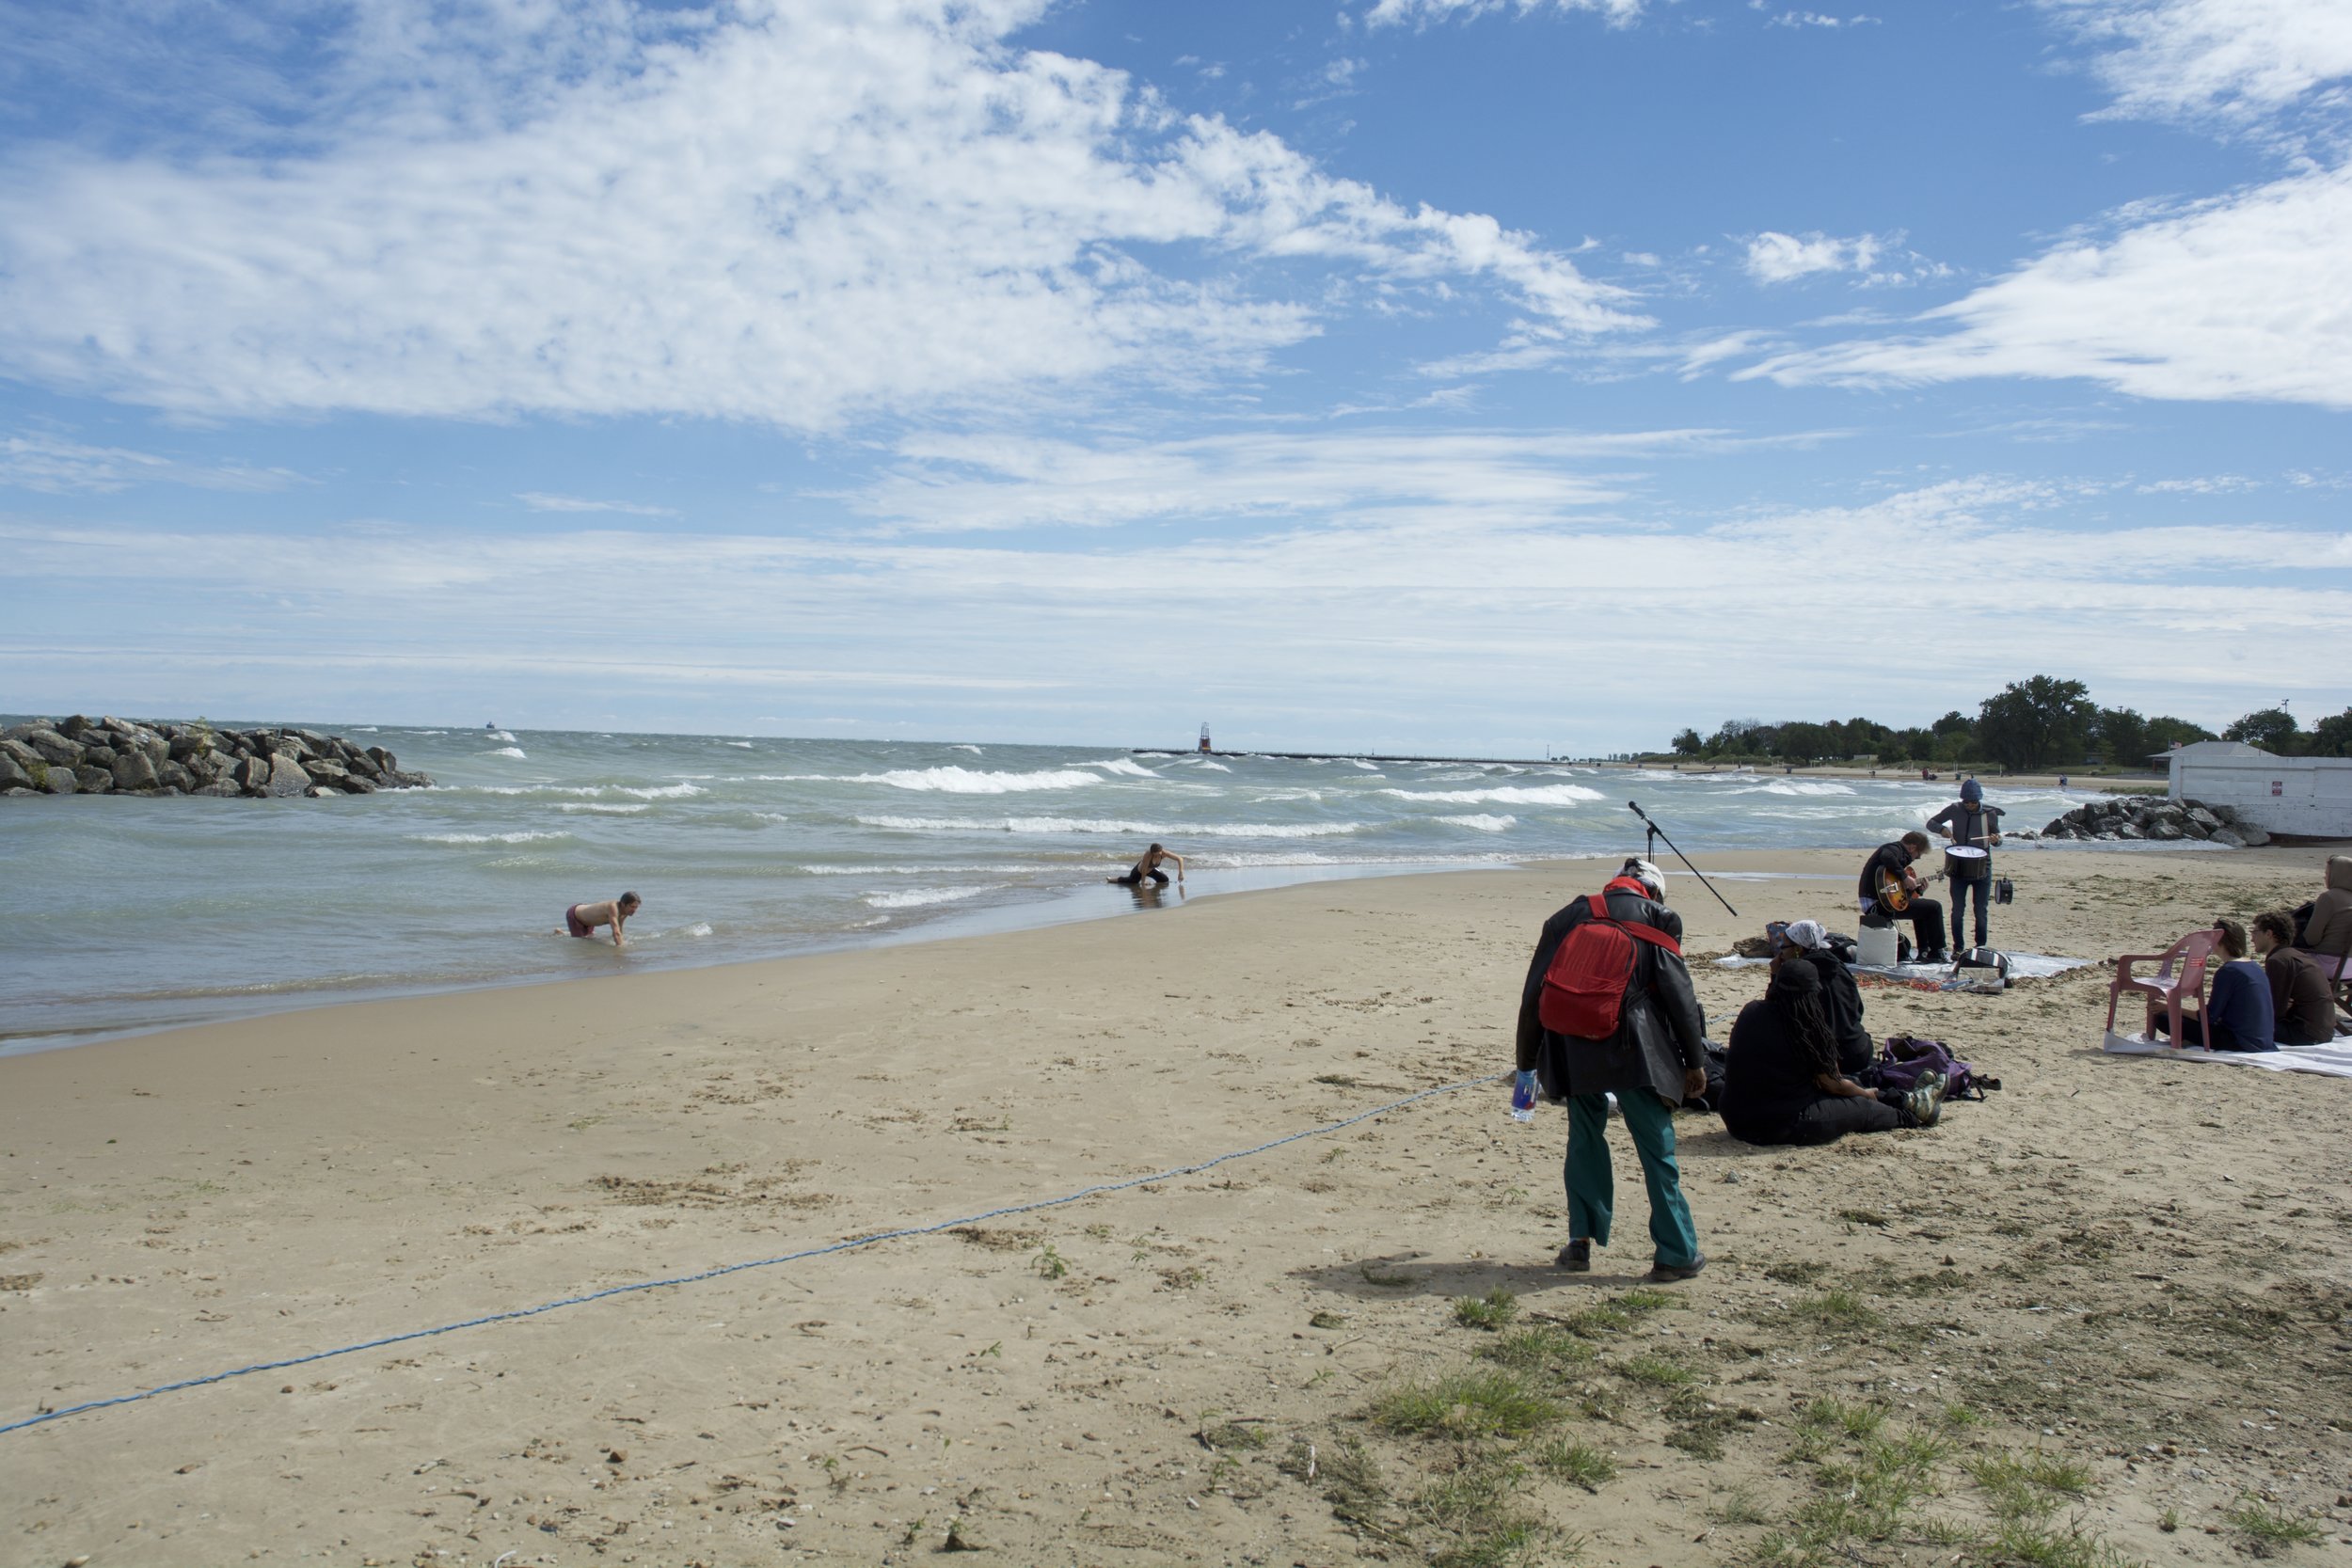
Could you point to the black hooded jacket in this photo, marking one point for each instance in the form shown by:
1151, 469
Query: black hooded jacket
1660, 1029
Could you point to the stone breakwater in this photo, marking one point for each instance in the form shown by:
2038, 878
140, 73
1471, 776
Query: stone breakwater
2154, 817
117, 757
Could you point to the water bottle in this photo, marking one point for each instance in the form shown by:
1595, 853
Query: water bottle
1523, 1095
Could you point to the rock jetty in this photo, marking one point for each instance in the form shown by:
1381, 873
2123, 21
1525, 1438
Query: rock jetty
117, 757
2154, 817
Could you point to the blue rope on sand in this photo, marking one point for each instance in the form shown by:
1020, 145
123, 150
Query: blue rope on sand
849, 1245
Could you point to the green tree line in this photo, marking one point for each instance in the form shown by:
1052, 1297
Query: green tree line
2034, 723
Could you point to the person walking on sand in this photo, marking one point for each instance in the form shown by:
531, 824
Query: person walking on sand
581, 920
1149, 866
1625, 971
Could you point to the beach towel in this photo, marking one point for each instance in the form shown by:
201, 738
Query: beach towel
2335, 1060
2022, 966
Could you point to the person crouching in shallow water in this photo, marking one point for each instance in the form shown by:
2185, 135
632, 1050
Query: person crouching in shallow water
581, 920
1783, 1082
1656, 1059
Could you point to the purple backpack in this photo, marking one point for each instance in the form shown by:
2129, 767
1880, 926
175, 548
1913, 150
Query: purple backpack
1908, 1060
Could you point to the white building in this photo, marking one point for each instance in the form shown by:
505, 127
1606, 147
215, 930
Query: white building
2310, 797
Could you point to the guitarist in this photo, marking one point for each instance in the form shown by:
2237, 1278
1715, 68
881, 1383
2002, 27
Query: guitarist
1890, 889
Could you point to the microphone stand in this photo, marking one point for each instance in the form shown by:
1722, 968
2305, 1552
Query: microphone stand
1650, 850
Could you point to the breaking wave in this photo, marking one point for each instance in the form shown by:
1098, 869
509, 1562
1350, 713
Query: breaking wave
1508, 794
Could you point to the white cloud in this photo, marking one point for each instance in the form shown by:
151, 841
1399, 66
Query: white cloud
2244, 58
1441, 621
1449, 481
1391, 14
2249, 296
805, 216
540, 501
1815, 19
1777, 258
57, 467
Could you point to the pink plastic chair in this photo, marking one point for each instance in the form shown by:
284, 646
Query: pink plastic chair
2180, 978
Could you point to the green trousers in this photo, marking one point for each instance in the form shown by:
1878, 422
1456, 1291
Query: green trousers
1592, 1185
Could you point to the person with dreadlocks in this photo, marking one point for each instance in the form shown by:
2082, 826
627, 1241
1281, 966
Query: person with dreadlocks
1633, 1032
1783, 1082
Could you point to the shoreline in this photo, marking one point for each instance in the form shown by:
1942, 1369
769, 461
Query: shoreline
179, 1204
1055, 907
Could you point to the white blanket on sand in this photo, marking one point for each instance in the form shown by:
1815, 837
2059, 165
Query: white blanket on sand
2335, 1060
2022, 966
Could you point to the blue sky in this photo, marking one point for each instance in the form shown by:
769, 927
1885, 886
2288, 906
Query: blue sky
1432, 374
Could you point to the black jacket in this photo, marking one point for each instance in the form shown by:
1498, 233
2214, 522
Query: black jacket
1841, 999
1892, 858
1660, 1030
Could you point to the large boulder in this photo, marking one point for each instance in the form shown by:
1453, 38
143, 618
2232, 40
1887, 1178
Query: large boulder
173, 776
135, 770
57, 781
286, 777
252, 772
2229, 838
13, 774
54, 747
2203, 818
98, 757
2255, 838
355, 785
326, 772
92, 781
74, 726
25, 756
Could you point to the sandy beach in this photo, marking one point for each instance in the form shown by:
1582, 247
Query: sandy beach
2106, 1306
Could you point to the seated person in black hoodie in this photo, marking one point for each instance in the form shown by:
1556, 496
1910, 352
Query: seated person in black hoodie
1887, 879
1841, 999
1782, 1083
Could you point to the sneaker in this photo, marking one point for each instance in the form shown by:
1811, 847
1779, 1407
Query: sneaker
1924, 1105
1668, 1274
1577, 1256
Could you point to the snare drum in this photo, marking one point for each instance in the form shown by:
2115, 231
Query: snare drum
1964, 863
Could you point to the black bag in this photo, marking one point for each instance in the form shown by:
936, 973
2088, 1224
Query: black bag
1982, 965
2004, 891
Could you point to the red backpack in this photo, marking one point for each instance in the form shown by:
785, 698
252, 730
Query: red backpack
1583, 991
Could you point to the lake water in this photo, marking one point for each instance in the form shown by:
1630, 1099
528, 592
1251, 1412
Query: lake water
129, 913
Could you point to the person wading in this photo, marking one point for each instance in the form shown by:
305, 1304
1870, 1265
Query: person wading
1625, 970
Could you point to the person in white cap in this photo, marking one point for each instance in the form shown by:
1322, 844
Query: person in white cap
1841, 998
1652, 1055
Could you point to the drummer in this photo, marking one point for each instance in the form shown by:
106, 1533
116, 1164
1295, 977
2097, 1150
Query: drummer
1971, 828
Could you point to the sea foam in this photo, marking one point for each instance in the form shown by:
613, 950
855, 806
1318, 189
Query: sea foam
1507, 795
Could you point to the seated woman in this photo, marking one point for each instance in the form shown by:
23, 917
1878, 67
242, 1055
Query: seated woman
1841, 999
2237, 1014
2327, 921
1782, 1082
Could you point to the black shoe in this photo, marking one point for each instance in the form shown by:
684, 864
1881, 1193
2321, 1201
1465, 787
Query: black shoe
1577, 1256
1924, 1105
1940, 955
1669, 1274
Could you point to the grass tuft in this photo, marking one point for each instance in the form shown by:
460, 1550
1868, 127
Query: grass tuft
2267, 1529
1578, 1463
1541, 1348
1490, 1311
1654, 1370
1475, 1403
